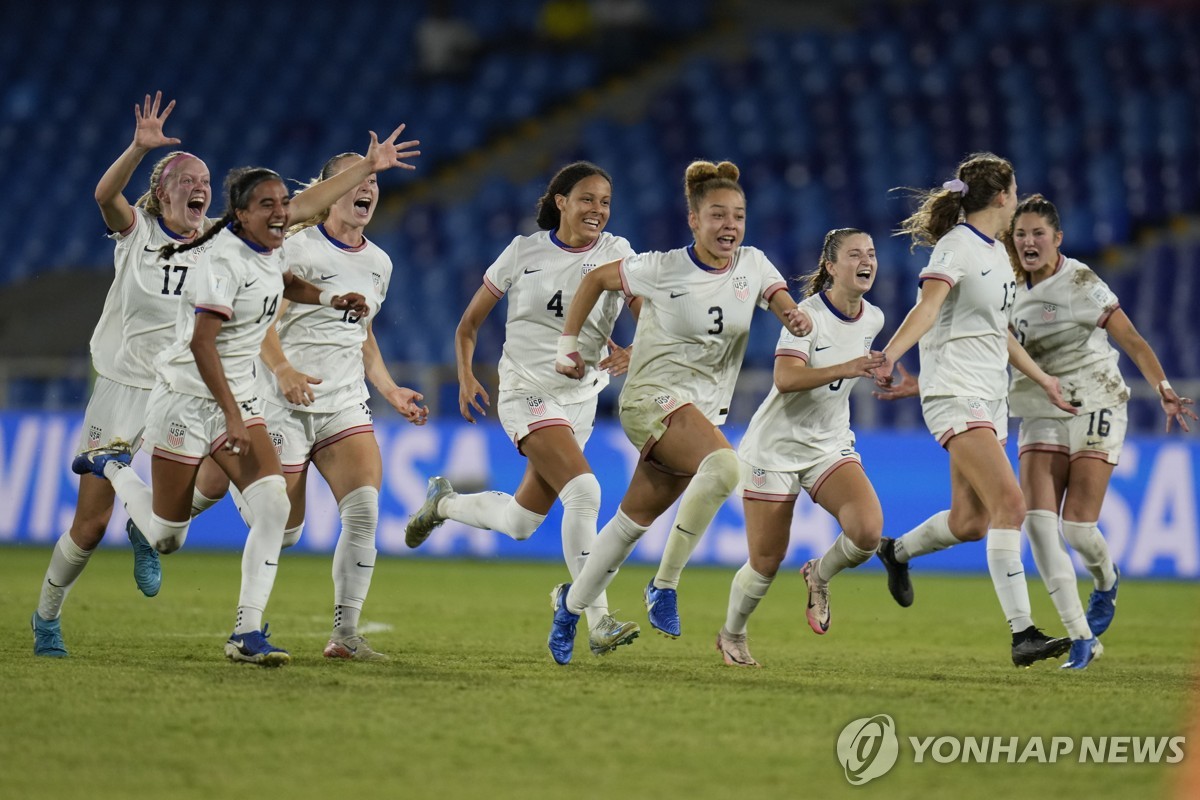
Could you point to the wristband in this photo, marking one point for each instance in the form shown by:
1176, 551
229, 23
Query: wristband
567, 346
326, 298
1163, 387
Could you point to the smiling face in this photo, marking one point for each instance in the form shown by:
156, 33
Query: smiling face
855, 268
355, 208
584, 211
185, 195
719, 224
265, 216
1036, 242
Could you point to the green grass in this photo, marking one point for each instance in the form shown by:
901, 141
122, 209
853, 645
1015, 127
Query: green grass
472, 706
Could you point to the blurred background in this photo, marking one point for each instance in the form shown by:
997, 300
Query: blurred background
825, 106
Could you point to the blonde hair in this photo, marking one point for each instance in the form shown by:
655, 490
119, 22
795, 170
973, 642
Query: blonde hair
703, 177
984, 175
821, 278
326, 173
150, 200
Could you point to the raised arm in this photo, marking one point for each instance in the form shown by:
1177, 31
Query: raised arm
795, 375
605, 278
471, 394
1121, 329
380, 156
147, 135
918, 322
299, 290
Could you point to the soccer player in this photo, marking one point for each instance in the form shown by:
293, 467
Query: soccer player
961, 321
548, 416
137, 322
325, 420
697, 303
204, 402
1064, 315
800, 437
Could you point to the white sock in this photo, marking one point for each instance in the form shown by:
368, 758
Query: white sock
745, 592
842, 554
715, 479
66, 564
292, 535
609, 551
1057, 572
244, 510
491, 511
581, 506
930, 536
1008, 576
1085, 538
201, 503
354, 557
268, 501
134, 493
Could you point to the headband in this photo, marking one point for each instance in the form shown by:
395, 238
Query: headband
162, 177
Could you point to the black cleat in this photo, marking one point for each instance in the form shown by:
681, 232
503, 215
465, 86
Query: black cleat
898, 582
1032, 645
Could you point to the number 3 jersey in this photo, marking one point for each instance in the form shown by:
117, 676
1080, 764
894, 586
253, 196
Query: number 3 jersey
242, 284
325, 342
694, 323
793, 429
1060, 322
540, 275
138, 320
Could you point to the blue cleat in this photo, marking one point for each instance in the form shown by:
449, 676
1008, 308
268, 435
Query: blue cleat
662, 609
562, 630
427, 519
47, 637
1102, 606
91, 462
147, 569
253, 648
1082, 652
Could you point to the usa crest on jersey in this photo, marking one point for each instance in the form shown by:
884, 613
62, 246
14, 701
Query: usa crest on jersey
537, 406
277, 442
758, 477
976, 408
94, 434
741, 287
1049, 312
175, 434
666, 402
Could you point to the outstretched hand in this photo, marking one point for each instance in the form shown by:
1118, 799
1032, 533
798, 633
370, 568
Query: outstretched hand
617, 360
472, 395
355, 302
387, 154
408, 403
1053, 390
296, 386
1176, 409
798, 323
148, 132
907, 386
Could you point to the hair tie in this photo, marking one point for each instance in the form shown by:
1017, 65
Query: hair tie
957, 185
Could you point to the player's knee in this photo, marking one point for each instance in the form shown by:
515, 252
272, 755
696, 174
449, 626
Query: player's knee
87, 533
519, 522
292, 535
359, 512
722, 469
166, 536
766, 564
581, 494
268, 501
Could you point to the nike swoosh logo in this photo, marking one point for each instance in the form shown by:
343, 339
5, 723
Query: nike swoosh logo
271, 563
611, 571
1093, 444
327, 277
677, 294
819, 349
251, 283
684, 530
1014, 574
149, 249
366, 566
986, 272
531, 271
585, 552
1052, 593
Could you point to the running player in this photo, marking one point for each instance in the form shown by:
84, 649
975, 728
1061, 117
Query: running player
1064, 315
204, 402
138, 322
326, 420
691, 335
800, 437
548, 416
961, 321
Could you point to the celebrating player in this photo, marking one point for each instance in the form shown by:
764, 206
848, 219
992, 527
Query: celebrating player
691, 335
548, 416
138, 322
800, 437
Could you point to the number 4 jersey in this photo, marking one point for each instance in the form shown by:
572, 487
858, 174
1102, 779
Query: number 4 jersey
540, 275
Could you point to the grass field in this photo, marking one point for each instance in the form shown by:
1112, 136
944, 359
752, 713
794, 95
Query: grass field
471, 704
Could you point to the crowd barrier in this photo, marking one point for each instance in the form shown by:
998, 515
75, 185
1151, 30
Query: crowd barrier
1149, 516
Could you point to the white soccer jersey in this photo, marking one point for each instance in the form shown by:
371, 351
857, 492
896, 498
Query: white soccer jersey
242, 284
540, 275
965, 353
694, 323
1060, 322
321, 341
138, 319
792, 430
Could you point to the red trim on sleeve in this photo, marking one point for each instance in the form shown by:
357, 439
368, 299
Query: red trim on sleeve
786, 353
129, 230
1103, 321
773, 288
223, 312
935, 276
491, 287
625, 290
